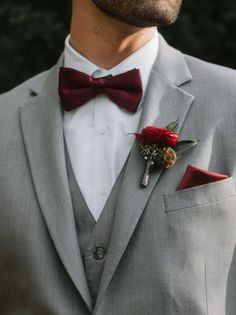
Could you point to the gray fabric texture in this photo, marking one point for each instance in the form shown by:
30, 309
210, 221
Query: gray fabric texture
170, 252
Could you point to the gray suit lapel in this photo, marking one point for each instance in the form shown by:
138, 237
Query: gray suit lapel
164, 102
41, 122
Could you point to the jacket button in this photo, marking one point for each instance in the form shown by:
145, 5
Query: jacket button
99, 253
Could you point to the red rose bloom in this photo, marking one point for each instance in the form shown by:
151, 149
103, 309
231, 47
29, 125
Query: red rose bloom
161, 136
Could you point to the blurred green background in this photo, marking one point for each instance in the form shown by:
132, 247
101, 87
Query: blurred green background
32, 34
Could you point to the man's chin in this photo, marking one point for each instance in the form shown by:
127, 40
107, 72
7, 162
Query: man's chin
145, 24
134, 15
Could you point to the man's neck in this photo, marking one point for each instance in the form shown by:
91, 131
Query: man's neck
102, 39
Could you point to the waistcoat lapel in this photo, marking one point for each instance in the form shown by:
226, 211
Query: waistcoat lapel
164, 102
41, 122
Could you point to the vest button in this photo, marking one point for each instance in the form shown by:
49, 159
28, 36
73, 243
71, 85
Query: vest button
99, 253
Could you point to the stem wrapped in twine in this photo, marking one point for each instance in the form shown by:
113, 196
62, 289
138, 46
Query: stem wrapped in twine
146, 174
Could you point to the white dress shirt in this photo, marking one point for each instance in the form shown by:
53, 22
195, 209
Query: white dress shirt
97, 133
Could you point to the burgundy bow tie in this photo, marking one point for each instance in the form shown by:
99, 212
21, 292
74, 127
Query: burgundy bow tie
77, 88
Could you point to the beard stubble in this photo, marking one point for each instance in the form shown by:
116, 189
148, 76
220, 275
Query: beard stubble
141, 13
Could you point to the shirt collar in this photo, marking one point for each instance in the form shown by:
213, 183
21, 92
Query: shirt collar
142, 59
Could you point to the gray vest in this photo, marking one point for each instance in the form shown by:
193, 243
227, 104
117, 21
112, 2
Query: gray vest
93, 236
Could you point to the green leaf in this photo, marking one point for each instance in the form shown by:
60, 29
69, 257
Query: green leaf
185, 145
173, 125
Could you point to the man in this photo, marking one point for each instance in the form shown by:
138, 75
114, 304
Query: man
78, 234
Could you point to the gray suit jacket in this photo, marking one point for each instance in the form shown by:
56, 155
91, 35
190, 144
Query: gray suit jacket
171, 252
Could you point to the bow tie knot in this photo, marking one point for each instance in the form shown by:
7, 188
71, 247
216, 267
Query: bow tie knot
99, 84
77, 88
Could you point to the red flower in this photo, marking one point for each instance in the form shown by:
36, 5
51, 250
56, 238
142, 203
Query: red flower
161, 136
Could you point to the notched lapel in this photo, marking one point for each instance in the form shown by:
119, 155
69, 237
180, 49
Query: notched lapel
42, 128
164, 102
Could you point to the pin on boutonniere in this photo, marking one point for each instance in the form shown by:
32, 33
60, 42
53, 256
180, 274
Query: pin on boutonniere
161, 147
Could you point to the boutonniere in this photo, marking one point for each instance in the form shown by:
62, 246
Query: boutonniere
160, 147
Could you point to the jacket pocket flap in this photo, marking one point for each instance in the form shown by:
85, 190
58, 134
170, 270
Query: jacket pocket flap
200, 195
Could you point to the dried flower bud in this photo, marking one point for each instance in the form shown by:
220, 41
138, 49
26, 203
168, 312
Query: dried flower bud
169, 157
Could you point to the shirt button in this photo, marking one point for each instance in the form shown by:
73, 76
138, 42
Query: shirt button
99, 253
97, 73
103, 192
103, 131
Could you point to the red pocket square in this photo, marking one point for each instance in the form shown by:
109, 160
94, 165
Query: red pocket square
194, 176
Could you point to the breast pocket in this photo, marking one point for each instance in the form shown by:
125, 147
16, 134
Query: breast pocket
200, 195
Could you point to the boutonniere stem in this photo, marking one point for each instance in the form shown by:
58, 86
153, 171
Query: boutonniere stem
160, 147
146, 174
